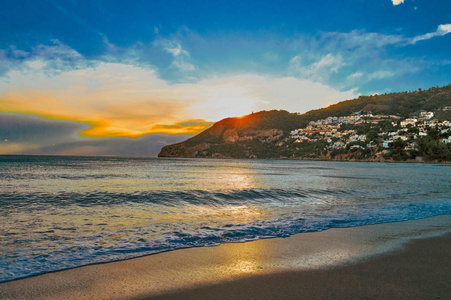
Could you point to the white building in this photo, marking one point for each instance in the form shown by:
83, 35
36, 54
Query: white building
386, 144
401, 137
426, 114
408, 122
337, 145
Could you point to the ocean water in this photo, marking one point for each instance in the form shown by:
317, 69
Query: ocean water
63, 212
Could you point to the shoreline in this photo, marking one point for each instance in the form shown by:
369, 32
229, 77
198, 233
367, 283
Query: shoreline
411, 161
205, 269
231, 158
418, 271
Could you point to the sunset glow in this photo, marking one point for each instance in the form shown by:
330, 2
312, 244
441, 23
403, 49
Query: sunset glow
174, 79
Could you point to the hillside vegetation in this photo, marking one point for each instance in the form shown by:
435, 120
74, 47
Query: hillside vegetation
266, 134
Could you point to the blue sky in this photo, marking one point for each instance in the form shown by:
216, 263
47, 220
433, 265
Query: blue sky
116, 70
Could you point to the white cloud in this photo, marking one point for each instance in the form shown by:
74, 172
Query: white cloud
397, 2
329, 62
348, 59
357, 40
56, 51
180, 55
319, 70
381, 74
355, 76
18, 54
241, 94
182, 65
442, 29
57, 56
122, 99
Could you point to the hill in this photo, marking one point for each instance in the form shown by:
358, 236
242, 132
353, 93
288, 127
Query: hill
269, 134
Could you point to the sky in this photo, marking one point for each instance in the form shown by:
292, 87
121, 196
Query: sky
128, 77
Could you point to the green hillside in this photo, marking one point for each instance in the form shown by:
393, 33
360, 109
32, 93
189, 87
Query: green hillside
401, 104
262, 134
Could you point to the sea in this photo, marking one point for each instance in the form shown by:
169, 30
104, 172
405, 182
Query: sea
60, 212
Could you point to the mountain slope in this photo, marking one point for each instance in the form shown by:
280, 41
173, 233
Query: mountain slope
262, 134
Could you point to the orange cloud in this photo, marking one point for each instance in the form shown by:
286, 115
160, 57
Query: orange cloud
123, 100
115, 100
190, 127
118, 120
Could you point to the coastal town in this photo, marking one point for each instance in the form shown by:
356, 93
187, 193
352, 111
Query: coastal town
396, 127
381, 135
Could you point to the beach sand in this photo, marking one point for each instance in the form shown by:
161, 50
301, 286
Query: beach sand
403, 260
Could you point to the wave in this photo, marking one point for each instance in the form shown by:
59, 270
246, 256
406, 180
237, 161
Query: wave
55, 231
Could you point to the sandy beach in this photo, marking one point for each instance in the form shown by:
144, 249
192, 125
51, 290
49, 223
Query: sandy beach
404, 260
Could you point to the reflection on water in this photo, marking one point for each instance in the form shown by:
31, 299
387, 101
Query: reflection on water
60, 212
126, 176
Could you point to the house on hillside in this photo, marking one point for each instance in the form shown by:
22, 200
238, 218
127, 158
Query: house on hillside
409, 122
426, 114
338, 145
386, 144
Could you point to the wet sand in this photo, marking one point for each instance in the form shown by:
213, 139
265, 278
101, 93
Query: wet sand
423, 271
404, 260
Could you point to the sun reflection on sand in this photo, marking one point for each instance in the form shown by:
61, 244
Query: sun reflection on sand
241, 259
245, 266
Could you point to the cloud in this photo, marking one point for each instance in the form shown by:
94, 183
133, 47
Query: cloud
357, 39
397, 2
190, 127
148, 145
20, 133
182, 65
57, 56
94, 106
114, 99
345, 60
180, 55
240, 94
57, 51
174, 48
319, 70
381, 74
355, 76
21, 128
442, 29
183, 83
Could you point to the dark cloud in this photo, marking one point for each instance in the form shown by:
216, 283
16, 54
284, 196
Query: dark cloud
43, 137
32, 130
149, 145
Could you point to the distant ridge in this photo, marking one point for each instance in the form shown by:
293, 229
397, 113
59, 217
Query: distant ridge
266, 134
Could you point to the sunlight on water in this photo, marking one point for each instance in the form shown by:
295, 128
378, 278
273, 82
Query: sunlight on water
61, 212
